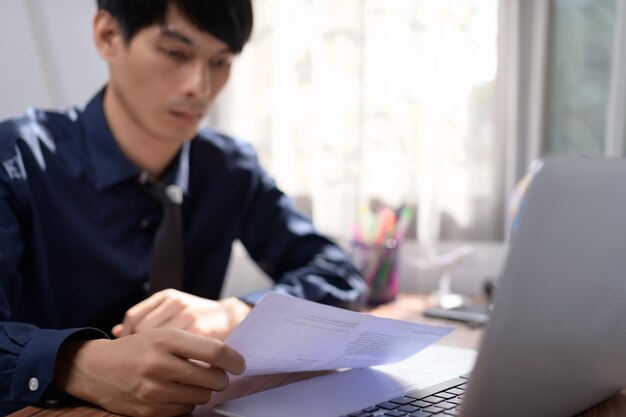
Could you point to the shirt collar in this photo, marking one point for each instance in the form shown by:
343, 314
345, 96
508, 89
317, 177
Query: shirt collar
109, 164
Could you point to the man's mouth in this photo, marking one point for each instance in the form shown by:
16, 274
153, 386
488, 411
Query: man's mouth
187, 116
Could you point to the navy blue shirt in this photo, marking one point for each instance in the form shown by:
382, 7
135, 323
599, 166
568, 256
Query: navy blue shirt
76, 230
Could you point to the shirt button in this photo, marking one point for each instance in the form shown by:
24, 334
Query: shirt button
33, 384
175, 193
143, 177
144, 223
52, 401
146, 287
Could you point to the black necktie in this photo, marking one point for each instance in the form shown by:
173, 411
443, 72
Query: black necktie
166, 270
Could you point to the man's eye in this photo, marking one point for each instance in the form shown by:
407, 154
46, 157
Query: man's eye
175, 54
220, 63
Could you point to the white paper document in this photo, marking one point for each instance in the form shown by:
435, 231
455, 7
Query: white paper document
288, 334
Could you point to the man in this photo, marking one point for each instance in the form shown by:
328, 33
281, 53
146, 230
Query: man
81, 213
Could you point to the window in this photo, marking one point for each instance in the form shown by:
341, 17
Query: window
353, 102
580, 62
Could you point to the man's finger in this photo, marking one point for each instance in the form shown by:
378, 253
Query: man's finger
173, 393
116, 331
168, 309
138, 311
209, 350
199, 374
181, 321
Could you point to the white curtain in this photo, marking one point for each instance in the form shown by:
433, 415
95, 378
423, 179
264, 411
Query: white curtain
522, 55
354, 101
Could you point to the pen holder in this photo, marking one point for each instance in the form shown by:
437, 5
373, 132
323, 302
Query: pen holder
378, 263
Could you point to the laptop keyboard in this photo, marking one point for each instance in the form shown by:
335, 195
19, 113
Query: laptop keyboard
441, 400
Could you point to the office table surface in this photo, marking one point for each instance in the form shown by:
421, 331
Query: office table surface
406, 307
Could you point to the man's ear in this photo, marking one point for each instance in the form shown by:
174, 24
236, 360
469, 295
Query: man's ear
107, 35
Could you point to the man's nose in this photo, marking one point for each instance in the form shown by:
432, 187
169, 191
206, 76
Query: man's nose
198, 81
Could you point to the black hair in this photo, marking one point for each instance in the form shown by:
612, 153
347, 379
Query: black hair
228, 20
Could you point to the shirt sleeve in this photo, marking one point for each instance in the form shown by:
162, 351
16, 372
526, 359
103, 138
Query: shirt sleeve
27, 362
27, 353
286, 245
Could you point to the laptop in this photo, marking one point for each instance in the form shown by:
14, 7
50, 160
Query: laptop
556, 341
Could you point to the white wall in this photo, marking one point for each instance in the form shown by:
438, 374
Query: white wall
48, 57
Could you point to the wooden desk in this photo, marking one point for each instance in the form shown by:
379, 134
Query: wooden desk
407, 307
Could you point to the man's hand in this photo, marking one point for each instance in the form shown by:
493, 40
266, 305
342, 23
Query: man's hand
163, 372
175, 309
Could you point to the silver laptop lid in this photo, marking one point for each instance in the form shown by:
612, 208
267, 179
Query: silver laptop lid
556, 343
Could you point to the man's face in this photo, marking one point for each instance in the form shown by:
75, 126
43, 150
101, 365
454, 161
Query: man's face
165, 79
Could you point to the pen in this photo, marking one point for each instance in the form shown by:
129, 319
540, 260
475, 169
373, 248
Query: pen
386, 223
401, 227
